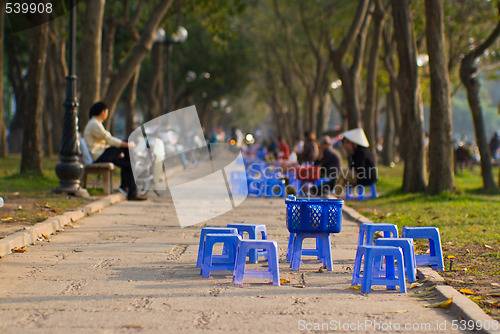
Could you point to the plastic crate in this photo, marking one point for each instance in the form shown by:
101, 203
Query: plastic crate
313, 215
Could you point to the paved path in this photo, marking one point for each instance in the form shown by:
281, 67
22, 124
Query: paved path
131, 268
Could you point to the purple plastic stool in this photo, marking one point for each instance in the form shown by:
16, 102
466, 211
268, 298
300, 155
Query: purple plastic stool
272, 273
253, 230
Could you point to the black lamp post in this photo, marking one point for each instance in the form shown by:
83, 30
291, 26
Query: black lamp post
70, 169
179, 37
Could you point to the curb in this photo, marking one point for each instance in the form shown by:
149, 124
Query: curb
461, 306
54, 224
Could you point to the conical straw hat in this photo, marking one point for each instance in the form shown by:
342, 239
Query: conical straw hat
357, 136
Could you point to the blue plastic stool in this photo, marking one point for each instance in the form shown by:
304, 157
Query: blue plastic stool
368, 230
305, 251
272, 272
325, 251
435, 256
230, 242
361, 189
406, 245
252, 230
205, 231
371, 255
238, 182
271, 184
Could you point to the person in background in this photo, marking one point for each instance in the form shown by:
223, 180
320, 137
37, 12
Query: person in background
495, 145
330, 163
298, 145
361, 169
284, 152
310, 153
105, 148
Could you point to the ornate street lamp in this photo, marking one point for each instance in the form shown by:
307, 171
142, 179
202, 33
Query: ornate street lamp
70, 169
179, 36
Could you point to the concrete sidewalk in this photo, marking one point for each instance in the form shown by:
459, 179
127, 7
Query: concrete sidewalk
131, 268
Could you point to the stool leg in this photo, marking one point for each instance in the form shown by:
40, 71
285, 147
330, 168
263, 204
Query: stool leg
319, 248
207, 259
297, 252
239, 267
390, 270
357, 267
401, 274
326, 250
361, 193
291, 238
366, 282
252, 253
200, 251
273, 265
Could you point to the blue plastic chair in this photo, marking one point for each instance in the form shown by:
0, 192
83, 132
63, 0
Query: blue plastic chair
324, 251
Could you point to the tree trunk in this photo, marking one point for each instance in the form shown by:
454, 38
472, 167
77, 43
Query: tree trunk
89, 59
3, 128
56, 86
130, 103
388, 149
350, 76
47, 134
108, 44
440, 122
31, 160
137, 54
156, 95
409, 97
468, 73
371, 79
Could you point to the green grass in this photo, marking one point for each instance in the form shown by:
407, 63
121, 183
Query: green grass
467, 215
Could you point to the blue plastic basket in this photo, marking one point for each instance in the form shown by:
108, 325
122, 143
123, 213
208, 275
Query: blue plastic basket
313, 215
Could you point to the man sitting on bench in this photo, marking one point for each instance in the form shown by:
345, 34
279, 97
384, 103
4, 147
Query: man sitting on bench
105, 148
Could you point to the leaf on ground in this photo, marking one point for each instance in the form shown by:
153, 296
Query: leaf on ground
451, 256
299, 286
426, 292
467, 292
20, 207
7, 219
397, 311
46, 205
284, 281
444, 304
415, 285
321, 269
19, 250
355, 287
487, 246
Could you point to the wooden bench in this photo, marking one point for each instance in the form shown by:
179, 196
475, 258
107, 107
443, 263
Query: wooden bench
105, 170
